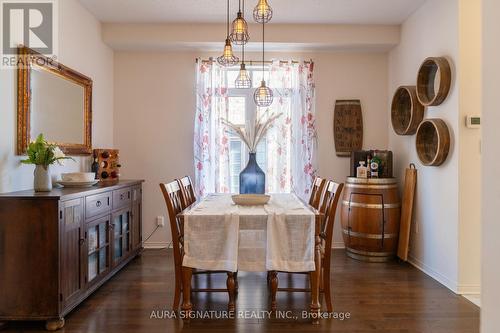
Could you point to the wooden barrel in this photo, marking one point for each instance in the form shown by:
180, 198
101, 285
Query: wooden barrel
370, 217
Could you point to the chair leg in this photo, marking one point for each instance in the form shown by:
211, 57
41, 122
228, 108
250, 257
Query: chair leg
236, 282
326, 288
231, 289
273, 276
178, 288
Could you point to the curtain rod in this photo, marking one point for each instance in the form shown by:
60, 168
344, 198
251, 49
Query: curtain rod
251, 62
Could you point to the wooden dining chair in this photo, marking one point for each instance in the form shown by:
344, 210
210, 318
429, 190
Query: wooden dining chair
317, 191
328, 208
172, 193
187, 189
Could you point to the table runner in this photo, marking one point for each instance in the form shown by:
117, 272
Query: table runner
219, 235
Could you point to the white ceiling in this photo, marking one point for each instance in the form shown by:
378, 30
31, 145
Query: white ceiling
285, 11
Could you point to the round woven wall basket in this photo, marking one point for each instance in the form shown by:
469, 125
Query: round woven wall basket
433, 142
406, 111
433, 81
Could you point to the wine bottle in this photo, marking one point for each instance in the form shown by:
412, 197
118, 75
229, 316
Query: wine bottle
95, 167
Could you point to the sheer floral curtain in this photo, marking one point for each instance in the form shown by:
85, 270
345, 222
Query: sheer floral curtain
291, 143
211, 151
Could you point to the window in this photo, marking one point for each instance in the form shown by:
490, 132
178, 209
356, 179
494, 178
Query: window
242, 111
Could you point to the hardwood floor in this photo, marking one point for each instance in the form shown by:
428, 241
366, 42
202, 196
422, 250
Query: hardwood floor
391, 297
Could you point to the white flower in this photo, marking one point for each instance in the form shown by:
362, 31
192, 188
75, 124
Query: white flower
58, 153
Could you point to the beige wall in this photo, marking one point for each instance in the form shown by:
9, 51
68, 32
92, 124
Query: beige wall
490, 296
431, 31
469, 242
81, 48
445, 239
155, 104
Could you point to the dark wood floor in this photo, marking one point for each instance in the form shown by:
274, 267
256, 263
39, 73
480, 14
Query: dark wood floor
389, 297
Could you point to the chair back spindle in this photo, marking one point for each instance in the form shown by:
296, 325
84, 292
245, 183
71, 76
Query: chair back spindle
187, 189
317, 192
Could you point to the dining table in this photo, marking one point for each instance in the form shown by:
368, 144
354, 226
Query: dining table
282, 235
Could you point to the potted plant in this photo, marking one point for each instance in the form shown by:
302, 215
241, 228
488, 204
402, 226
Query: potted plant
43, 154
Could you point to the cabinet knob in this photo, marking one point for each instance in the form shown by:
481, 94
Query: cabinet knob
82, 241
98, 203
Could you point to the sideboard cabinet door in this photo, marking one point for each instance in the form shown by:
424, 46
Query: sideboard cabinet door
72, 240
120, 235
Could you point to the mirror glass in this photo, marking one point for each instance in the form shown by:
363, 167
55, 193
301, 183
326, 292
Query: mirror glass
57, 107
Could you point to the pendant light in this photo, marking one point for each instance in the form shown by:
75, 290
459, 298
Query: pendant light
239, 32
263, 95
228, 58
262, 13
243, 81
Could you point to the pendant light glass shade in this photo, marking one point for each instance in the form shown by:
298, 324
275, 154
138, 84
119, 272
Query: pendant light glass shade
243, 81
239, 32
228, 58
263, 96
262, 13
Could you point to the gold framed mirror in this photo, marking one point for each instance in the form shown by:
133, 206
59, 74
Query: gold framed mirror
54, 100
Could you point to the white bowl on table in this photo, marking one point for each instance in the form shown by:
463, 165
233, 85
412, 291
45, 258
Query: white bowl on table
251, 199
78, 177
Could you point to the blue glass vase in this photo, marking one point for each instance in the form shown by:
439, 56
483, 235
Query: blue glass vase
252, 178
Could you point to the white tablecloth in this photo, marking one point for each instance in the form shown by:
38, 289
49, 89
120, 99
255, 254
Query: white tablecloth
219, 235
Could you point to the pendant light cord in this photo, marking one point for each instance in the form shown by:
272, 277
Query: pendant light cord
243, 45
263, 46
227, 19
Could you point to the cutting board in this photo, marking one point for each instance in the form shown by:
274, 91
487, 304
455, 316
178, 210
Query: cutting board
407, 212
348, 127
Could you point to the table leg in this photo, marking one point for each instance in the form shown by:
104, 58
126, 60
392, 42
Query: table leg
273, 277
231, 289
186, 292
315, 283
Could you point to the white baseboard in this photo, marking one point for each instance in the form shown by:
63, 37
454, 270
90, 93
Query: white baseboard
469, 289
433, 274
161, 245
156, 245
338, 245
475, 299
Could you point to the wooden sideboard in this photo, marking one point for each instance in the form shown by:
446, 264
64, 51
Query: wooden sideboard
58, 247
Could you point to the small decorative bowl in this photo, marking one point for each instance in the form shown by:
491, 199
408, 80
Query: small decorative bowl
78, 177
251, 199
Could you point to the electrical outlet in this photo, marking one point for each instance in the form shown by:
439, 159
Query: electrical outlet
160, 221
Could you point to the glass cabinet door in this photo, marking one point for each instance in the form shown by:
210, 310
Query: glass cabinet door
121, 235
98, 248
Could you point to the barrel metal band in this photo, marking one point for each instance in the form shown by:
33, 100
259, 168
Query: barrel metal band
369, 236
370, 206
373, 254
374, 187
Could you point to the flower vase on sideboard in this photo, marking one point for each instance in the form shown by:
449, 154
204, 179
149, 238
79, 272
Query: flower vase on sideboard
42, 182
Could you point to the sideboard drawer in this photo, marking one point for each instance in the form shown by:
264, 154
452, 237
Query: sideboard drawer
97, 204
122, 197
